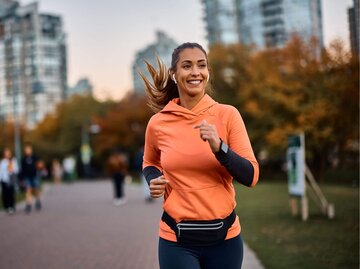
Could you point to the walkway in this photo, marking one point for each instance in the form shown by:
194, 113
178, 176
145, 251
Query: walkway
79, 227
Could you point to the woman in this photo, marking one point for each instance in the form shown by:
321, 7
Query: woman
8, 174
194, 148
117, 166
57, 171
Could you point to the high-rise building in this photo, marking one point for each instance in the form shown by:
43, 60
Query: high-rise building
221, 21
353, 15
163, 47
264, 23
33, 71
83, 87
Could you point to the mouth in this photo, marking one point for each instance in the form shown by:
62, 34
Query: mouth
194, 81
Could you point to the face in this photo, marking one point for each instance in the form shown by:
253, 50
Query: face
191, 72
28, 150
7, 153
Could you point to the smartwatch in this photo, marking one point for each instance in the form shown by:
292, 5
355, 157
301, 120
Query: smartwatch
223, 148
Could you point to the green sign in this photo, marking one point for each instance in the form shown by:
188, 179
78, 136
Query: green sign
296, 165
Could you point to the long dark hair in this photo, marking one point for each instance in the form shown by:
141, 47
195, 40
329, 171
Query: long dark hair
163, 89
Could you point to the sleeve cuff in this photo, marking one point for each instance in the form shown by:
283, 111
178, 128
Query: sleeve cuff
151, 172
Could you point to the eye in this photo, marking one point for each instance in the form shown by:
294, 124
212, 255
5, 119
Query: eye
202, 65
186, 66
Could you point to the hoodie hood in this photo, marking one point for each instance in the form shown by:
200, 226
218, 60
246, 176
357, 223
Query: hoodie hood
174, 107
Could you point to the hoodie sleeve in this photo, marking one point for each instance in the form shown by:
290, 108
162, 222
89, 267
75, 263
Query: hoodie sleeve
151, 160
240, 160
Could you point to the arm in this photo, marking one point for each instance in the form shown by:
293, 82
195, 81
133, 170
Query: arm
151, 159
238, 158
151, 163
238, 167
15, 165
151, 172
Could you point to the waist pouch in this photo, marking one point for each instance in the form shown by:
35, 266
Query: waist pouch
200, 232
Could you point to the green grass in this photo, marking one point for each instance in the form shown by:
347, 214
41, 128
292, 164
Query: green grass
282, 241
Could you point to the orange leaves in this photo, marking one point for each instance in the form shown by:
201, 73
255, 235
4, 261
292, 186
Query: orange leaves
296, 88
123, 125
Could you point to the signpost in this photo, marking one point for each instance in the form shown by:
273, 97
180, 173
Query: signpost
298, 172
296, 175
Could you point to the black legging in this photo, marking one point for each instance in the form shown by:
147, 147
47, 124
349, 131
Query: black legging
8, 195
118, 179
227, 255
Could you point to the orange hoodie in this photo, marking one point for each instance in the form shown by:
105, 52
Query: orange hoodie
199, 187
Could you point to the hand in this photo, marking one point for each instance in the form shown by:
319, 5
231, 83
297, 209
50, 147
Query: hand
209, 133
157, 186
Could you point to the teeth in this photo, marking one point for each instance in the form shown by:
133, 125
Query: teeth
195, 82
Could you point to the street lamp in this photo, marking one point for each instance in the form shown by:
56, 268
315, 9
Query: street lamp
85, 149
16, 118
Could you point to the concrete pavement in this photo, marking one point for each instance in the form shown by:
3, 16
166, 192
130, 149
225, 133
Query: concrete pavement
79, 227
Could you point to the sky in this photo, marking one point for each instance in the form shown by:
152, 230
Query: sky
104, 36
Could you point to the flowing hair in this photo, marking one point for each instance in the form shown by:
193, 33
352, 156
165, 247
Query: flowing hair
163, 89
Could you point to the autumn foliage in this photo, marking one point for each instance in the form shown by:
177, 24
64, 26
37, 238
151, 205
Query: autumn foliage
295, 89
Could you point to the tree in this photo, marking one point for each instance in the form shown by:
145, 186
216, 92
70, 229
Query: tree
123, 125
60, 133
294, 89
7, 135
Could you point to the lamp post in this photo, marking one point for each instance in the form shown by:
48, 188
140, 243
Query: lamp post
16, 118
86, 151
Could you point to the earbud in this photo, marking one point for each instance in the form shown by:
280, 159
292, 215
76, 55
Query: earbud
207, 80
174, 78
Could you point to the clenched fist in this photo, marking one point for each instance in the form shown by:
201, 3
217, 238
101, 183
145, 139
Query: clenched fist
157, 186
209, 133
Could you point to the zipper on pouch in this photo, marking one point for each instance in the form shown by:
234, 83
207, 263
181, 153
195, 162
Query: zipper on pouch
193, 226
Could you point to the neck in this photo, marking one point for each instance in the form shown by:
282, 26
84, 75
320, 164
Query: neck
189, 102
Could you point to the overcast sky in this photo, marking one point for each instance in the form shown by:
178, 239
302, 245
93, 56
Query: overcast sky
103, 36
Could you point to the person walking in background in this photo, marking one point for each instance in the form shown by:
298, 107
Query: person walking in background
194, 149
41, 170
117, 167
29, 173
69, 164
56, 171
8, 177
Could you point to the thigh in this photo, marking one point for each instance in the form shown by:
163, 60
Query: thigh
174, 256
29, 183
226, 255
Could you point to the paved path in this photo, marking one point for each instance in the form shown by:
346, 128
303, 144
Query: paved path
79, 227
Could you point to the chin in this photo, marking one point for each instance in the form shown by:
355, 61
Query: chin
195, 92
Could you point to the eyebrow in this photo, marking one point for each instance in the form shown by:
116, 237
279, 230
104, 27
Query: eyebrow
189, 61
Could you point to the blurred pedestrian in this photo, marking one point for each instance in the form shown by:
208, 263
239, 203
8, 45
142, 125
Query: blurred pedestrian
57, 171
30, 174
8, 177
194, 149
41, 170
69, 164
117, 167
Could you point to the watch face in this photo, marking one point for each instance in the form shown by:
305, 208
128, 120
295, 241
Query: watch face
224, 147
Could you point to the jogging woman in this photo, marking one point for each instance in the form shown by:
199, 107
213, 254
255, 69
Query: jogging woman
194, 149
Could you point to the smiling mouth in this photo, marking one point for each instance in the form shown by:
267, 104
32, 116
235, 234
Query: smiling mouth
194, 82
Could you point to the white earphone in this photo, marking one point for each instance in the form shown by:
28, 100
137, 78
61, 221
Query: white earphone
174, 78
207, 80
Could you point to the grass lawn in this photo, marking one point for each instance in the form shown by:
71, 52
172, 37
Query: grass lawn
282, 241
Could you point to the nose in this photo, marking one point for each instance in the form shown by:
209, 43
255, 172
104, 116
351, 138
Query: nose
195, 71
